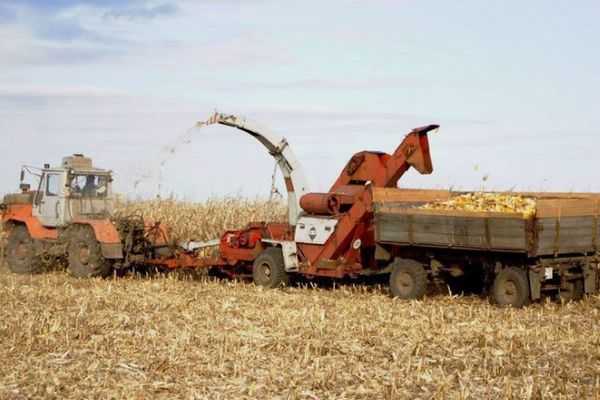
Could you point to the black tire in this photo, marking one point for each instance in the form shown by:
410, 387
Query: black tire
408, 280
269, 269
21, 252
511, 288
85, 254
574, 292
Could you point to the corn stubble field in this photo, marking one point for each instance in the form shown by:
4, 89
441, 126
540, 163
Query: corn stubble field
172, 337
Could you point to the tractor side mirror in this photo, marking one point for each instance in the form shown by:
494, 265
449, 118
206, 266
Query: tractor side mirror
22, 175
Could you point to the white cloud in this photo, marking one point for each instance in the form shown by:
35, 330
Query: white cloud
33, 90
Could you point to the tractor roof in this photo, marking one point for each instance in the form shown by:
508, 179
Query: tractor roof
80, 163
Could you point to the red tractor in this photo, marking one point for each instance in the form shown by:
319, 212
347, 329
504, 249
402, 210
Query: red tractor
69, 217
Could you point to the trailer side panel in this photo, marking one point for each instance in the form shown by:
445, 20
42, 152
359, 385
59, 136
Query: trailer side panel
455, 231
563, 224
567, 226
569, 235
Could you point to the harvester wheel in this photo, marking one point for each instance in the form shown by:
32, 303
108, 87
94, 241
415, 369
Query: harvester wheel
21, 252
574, 291
269, 269
408, 280
511, 288
85, 254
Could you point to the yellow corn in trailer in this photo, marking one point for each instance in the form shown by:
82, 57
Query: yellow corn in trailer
487, 202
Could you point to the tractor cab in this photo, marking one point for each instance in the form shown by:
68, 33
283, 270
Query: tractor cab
75, 190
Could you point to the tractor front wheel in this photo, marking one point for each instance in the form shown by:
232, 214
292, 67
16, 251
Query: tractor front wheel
21, 252
85, 254
269, 269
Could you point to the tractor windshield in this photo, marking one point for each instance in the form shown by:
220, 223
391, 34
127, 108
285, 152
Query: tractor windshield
93, 186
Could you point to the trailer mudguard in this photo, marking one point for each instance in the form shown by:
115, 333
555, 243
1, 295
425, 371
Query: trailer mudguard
535, 284
590, 278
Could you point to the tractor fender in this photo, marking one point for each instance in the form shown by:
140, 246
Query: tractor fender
107, 235
22, 214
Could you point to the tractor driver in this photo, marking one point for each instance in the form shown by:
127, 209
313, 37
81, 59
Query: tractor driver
89, 190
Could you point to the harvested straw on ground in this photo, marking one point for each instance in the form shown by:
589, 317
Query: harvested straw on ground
165, 338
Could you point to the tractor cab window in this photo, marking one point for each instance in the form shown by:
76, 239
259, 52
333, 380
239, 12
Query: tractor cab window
91, 186
52, 185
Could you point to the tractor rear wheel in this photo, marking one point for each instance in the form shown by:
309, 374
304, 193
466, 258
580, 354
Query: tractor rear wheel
21, 252
269, 269
408, 280
85, 254
511, 288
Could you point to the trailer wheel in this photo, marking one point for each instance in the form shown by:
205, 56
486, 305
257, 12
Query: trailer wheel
21, 252
269, 269
408, 280
573, 292
511, 288
85, 254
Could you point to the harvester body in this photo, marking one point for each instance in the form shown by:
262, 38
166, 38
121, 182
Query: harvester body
327, 234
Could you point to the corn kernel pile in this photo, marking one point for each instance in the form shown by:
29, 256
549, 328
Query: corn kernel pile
487, 202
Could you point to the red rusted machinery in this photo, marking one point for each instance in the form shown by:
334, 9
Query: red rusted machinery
69, 216
327, 234
363, 225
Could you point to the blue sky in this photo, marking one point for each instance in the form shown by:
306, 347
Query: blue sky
514, 85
